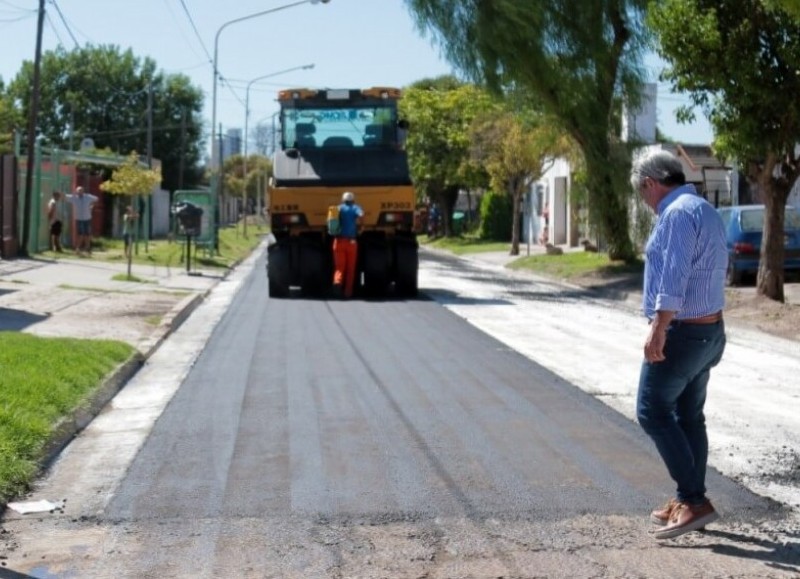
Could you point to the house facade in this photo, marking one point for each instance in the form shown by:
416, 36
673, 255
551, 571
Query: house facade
554, 216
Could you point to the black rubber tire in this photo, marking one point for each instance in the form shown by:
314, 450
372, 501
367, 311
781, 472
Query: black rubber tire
376, 270
732, 276
407, 268
277, 273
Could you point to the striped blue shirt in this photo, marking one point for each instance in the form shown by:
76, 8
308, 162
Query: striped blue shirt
686, 258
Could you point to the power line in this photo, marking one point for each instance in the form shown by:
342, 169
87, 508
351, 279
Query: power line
53, 28
64, 21
18, 18
7, 3
196, 32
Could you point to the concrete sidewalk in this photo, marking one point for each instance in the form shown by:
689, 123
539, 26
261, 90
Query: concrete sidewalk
623, 288
79, 298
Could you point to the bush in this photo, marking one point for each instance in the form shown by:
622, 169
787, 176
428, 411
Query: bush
496, 217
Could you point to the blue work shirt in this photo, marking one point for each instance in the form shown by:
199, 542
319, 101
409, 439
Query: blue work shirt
348, 220
686, 258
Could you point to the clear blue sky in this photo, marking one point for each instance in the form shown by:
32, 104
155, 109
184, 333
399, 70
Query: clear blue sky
352, 43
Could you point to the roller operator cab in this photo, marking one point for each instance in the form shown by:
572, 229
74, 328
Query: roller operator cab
334, 141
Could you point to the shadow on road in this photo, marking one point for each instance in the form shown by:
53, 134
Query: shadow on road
18, 320
10, 574
783, 555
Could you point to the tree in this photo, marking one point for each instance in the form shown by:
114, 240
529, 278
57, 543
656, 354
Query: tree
105, 94
259, 168
10, 120
791, 7
574, 57
515, 149
739, 63
131, 179
440, 113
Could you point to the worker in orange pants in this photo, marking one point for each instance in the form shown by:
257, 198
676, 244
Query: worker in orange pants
345, 246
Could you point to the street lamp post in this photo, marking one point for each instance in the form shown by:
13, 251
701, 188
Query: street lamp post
246, 117
215, 187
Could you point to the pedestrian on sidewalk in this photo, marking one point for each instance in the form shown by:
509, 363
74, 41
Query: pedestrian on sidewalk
55, 221
345, 246
82, 204
128, 223
683, 298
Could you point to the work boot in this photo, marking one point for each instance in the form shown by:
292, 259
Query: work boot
661, 516
686, 517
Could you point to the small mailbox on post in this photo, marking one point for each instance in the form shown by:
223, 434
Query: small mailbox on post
190, 221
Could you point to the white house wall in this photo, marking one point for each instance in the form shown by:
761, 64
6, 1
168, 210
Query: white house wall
556, 197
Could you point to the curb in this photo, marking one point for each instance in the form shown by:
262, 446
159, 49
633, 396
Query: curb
70, 426
169, 323
597, 290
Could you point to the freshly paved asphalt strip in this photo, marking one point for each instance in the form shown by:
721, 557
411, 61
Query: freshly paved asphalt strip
306, 438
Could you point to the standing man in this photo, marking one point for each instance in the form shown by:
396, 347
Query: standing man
128, 224
345, 246
54, 219
82, 204
684, 293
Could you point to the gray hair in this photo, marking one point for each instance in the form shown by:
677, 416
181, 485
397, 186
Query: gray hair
661, 166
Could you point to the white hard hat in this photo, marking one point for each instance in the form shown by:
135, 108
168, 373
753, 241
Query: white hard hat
348, 197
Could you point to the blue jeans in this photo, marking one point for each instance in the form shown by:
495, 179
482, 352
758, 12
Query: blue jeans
670, 403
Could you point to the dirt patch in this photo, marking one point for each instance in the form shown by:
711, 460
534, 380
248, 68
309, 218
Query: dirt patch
742, 306
129, 317
763, 314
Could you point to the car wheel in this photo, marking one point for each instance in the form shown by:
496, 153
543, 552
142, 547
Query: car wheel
733, 277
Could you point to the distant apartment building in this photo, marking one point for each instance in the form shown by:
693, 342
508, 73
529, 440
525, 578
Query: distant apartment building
231, 143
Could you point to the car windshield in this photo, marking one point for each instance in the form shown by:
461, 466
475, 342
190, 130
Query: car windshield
753, 219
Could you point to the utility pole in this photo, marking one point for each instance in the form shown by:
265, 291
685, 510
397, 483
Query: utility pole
183, 151
148, 215
33, 118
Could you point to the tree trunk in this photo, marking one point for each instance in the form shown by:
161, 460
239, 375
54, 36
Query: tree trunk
770, 278
516, 196
449, 196
607, 205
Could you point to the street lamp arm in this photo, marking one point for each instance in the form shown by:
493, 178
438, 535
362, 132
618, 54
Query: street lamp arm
216, 70
246, 118
249, 16
216, 50
255, 80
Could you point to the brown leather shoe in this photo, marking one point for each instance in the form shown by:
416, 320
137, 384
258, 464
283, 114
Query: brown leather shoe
685, 518
661, 516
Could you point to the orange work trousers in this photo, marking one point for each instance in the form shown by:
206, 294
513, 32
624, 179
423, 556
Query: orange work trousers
345, 257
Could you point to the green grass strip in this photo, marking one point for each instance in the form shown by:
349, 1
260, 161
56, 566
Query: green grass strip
41, 381
575, 264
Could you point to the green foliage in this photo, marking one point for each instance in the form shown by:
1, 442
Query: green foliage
10, 119
575, 264
41, 381
102, 93
791, 7
438, 142
131, 178
259, 168
496, 217
515, 146
739, 63
574, 58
